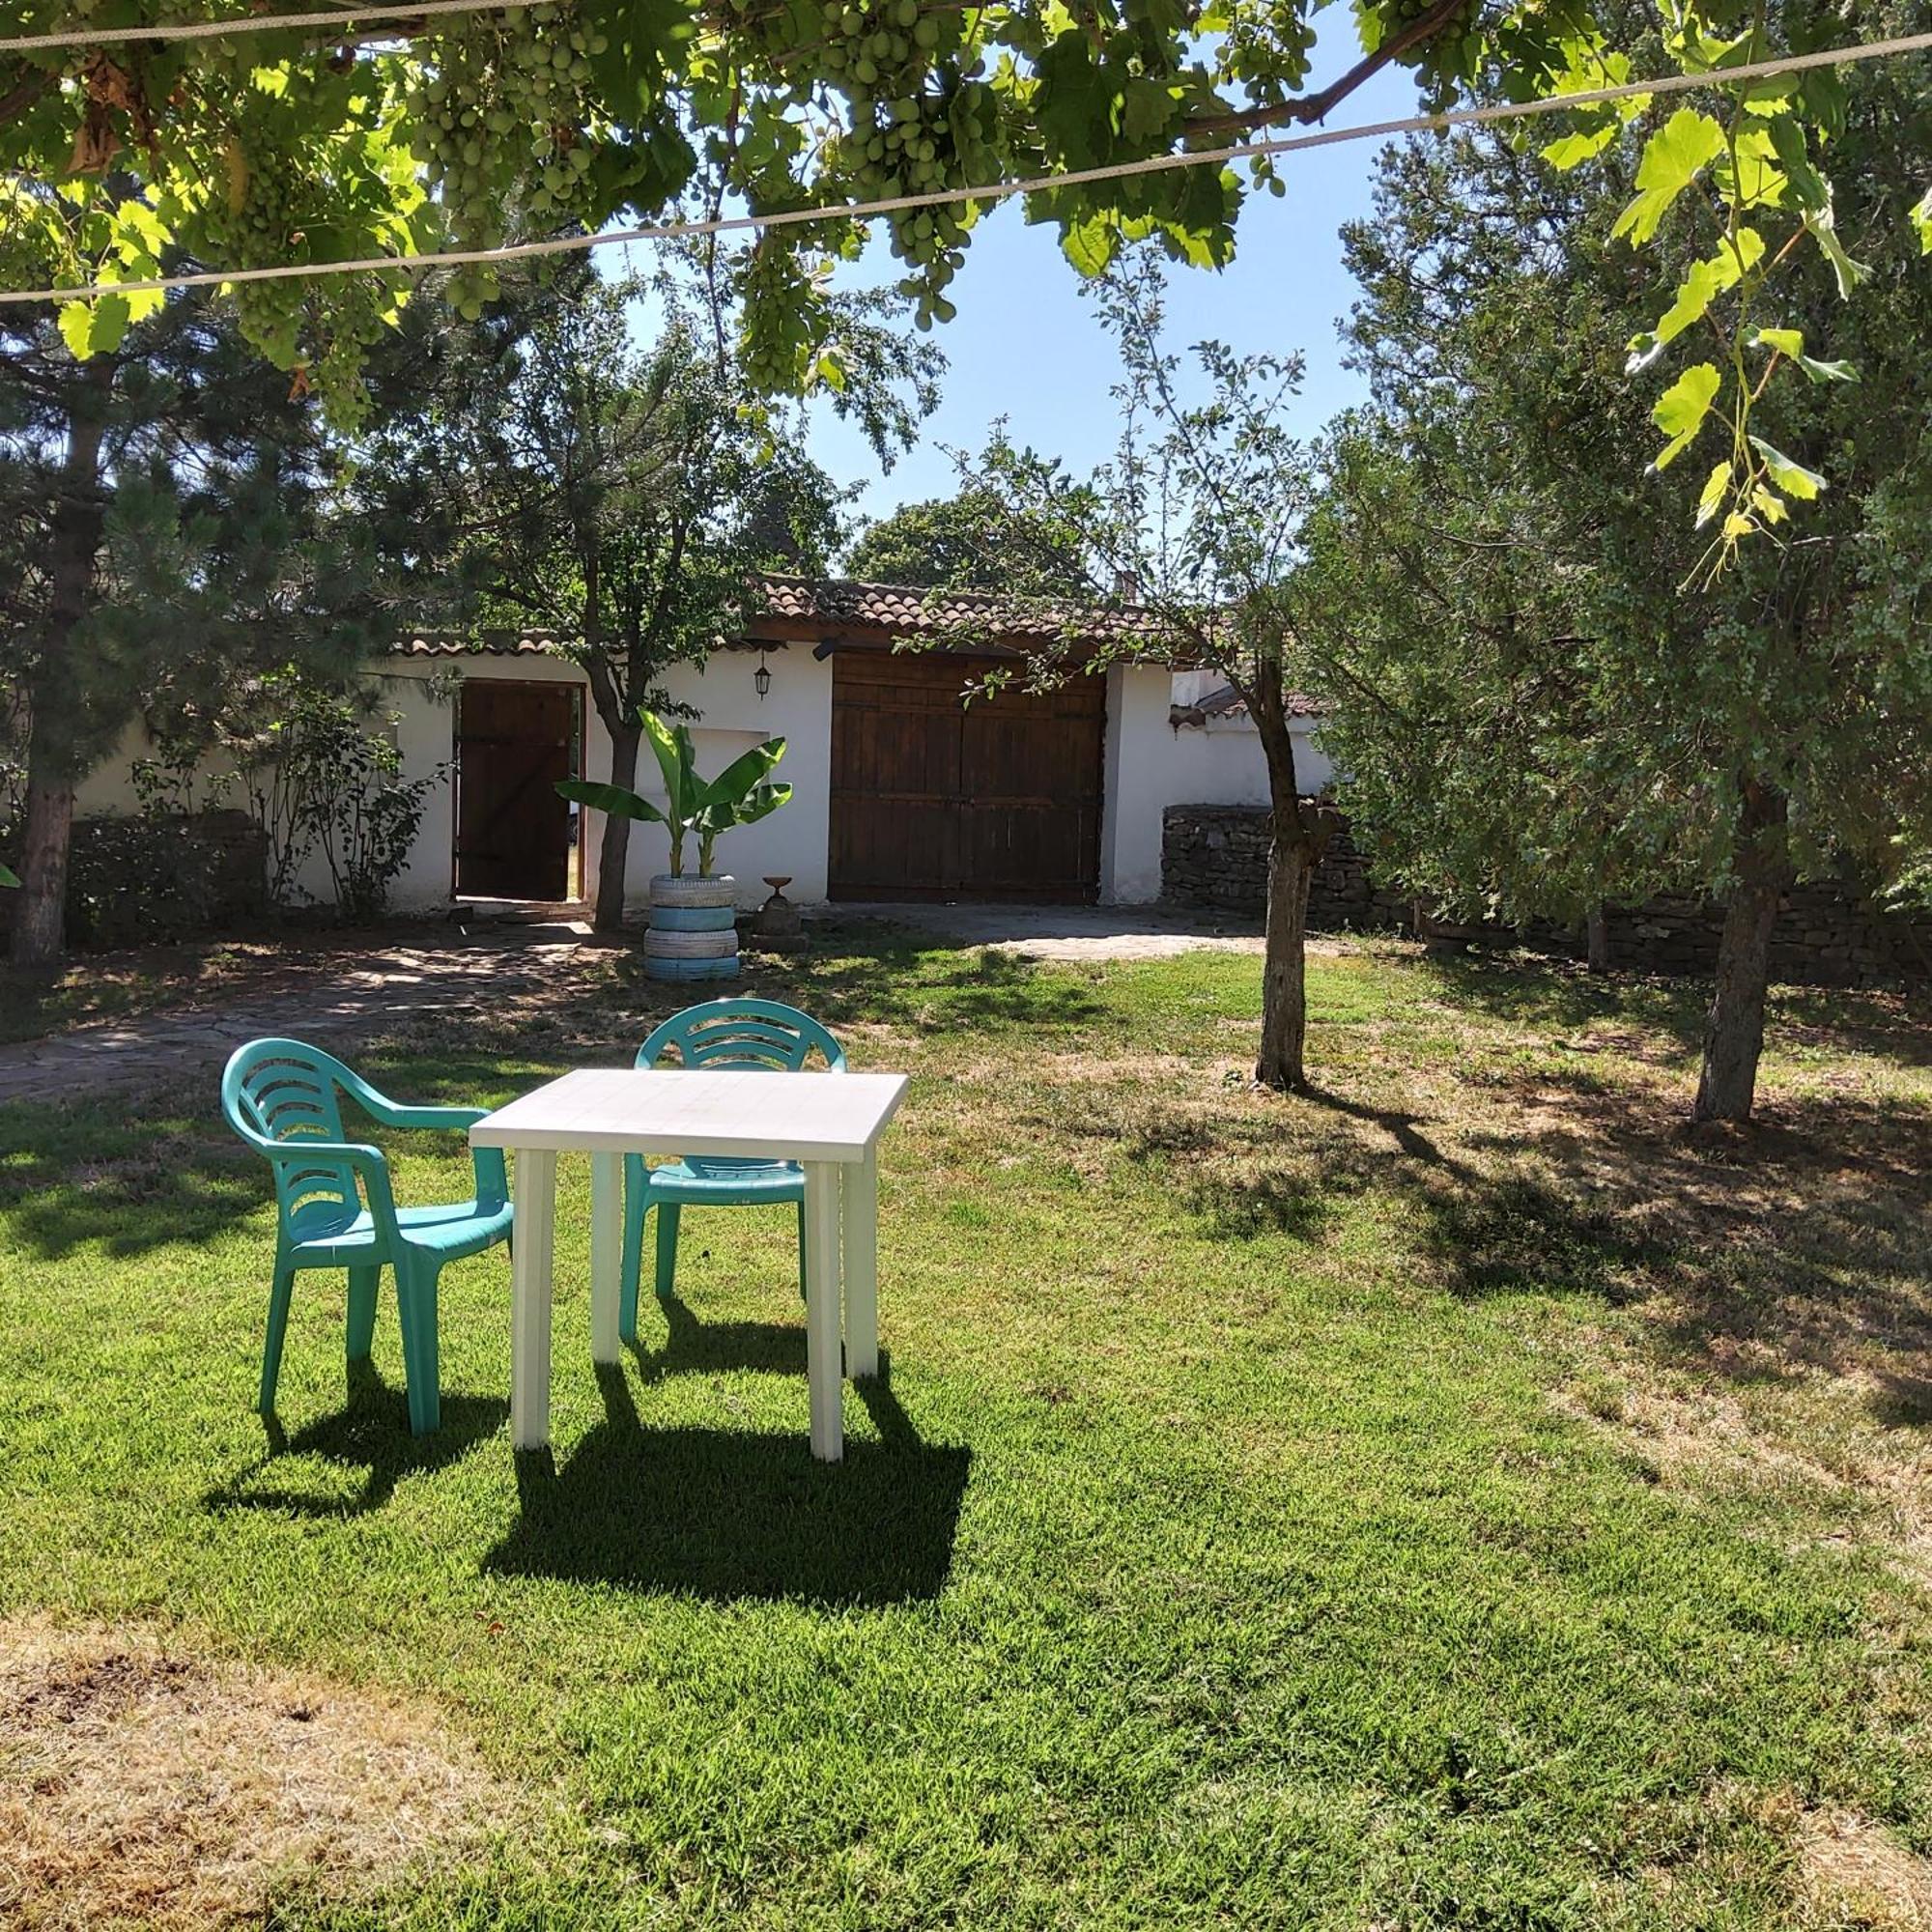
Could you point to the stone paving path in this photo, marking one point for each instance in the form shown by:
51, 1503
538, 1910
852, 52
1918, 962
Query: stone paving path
383, 983
1078, 932
191, 1042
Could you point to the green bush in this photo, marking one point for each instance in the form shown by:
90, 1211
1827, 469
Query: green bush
135, 880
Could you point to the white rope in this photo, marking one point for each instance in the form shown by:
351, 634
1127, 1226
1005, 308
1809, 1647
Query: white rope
260, 23
1418, 124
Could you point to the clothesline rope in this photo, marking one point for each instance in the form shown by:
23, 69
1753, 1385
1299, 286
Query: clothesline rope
1415, 123
260, 23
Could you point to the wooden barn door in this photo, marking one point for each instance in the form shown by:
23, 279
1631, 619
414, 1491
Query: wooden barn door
513, 833
998, 799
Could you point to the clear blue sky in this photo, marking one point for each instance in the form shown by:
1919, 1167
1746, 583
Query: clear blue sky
1026, 345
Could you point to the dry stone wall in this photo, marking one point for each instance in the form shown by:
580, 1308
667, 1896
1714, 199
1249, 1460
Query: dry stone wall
1216, 856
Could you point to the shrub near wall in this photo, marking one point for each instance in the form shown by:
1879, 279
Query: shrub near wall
1216, 855
137, 880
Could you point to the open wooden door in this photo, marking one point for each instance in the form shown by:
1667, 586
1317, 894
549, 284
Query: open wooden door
514, 741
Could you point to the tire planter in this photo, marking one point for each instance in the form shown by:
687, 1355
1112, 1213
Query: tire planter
693, 930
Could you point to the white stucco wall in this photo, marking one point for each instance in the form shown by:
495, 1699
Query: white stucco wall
1220, 763
1148, 766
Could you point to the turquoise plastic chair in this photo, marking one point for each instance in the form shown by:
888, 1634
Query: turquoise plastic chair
719, 1034
335, 1207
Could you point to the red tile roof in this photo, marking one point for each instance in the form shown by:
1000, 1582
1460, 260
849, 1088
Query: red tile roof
493, 644
843, 604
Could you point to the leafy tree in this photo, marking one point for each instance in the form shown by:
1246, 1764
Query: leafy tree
1202, 511
169, 526
623, 500
314, 143
972, 540
1558, 705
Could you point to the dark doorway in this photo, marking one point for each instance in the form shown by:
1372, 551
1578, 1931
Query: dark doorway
998, 799
514, 741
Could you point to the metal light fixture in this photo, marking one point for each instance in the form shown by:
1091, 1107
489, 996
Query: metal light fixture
762, 677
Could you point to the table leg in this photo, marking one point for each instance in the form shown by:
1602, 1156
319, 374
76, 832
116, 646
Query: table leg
859, 1190
821, 1310
607, 1243
531, 1297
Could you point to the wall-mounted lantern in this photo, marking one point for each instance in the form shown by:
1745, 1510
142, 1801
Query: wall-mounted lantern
762, 677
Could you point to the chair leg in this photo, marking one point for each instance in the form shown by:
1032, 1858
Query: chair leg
668, 1219
279, 1292
415, 1302
801, 1250
363, 1285
637, 1205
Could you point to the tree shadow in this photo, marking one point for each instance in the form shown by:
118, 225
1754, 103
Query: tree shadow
907, 979
126, 1181
729, 1514
1802, 1243
371, 1434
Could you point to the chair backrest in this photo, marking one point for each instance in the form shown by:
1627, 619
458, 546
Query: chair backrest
277, 1093
743, 1033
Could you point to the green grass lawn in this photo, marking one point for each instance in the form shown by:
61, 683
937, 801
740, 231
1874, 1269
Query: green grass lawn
1459, 1499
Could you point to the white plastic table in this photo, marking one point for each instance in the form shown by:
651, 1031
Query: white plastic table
830, 1123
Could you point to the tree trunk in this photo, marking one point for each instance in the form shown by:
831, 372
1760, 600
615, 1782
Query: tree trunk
1596, 940
1284, 966
53, 689
1734, 1023
39, 919
614, 853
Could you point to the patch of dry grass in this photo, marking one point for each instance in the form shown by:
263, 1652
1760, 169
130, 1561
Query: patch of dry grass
143, 1784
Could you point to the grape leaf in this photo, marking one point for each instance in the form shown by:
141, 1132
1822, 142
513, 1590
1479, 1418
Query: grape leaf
1793, 478
1699, 289
1672, 159
1680, 409
1715, 485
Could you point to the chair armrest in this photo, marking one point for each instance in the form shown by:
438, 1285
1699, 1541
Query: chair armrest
398, 1114
366, 1162
395, 1114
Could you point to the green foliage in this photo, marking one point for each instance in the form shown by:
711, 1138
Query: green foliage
1280, 1512
975, 540
295, 146
321, 772
739, 795
1533, 716
140, 880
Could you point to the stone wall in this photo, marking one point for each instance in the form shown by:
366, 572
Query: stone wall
1216, 855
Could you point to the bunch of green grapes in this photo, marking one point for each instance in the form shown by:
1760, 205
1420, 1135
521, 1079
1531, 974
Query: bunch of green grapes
919, 121
1445, 60
498, 109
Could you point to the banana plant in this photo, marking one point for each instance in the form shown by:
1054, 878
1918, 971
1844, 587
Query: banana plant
738, 795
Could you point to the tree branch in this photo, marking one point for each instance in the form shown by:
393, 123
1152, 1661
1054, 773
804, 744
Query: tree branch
1311, 107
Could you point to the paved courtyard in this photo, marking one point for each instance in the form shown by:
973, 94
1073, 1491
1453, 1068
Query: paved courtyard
447, 968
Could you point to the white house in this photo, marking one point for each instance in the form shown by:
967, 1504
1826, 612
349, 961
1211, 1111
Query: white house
898, 790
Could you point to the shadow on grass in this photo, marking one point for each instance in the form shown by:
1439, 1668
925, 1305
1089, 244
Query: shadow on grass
692, 1347
369, 1433
126, 1181
1802, 1243
897, 977
1895, 1023
728, 1514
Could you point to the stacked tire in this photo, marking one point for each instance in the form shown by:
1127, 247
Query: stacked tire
693, 930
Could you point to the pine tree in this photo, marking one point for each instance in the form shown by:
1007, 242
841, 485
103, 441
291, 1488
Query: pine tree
167, 527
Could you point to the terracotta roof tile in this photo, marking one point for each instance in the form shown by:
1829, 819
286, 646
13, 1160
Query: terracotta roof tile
844, 603
493, 644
